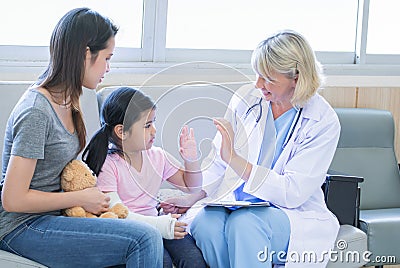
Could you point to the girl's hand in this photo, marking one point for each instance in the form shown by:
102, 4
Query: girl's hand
225, 128
180, 227
187, 144
179, 204
95, 201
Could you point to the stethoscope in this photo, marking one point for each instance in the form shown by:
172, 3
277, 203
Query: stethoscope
258, 118
253, 107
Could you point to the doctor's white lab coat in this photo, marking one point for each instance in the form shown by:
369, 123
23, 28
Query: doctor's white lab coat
294, 183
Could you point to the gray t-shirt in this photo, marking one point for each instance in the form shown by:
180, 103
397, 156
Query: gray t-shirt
35, 131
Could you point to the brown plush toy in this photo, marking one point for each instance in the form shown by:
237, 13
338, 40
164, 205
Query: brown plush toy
78, 176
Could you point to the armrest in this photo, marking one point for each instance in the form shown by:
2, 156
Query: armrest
342, 197
344, 178
338, 176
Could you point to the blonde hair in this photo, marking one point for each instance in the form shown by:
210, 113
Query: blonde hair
289, 53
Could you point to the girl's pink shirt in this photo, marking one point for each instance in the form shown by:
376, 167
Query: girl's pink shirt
138, 190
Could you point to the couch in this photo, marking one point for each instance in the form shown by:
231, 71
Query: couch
192, 104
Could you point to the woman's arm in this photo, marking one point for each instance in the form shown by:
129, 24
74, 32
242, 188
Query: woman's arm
18, 197
213, 166
305, 171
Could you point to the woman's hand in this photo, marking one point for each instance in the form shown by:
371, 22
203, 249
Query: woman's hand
180, 227
187, 144
225, 128
228, 153
95, 201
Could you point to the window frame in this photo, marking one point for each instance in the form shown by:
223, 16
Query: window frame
154, 51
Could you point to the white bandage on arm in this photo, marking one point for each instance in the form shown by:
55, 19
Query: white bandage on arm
165, 223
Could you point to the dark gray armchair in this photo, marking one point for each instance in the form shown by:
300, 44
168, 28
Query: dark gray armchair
366, 149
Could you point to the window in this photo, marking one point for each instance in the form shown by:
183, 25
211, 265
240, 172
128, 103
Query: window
383, 37
30, 23
342, 32
238, 24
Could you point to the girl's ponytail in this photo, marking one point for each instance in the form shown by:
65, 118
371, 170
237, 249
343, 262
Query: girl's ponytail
96, 151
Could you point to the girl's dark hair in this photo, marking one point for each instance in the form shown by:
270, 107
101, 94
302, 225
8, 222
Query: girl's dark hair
76, 31
124, 106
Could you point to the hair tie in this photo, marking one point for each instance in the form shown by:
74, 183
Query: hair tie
105, 124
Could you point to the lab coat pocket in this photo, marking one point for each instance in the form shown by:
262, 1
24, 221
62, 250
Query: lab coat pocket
315, 215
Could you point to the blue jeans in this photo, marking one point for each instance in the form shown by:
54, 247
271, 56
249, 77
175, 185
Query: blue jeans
246, 237
183, 253
57, 241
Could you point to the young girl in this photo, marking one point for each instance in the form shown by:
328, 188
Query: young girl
130, 169
44, 132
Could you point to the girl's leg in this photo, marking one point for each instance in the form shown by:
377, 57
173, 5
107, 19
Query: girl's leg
167, 261
207, 229
58, 241
256, 234
185, 253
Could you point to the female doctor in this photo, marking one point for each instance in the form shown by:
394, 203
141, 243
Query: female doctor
275, 144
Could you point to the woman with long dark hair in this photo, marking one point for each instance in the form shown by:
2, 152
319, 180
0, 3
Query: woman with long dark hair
45, 131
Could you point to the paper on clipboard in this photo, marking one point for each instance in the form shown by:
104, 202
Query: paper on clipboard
237, 204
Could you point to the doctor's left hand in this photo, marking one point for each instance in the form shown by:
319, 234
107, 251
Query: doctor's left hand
225, 128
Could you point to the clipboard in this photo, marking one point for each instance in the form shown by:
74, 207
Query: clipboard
236, 204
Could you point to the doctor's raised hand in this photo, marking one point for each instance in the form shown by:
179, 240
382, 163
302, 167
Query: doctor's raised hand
227, 150
275, 143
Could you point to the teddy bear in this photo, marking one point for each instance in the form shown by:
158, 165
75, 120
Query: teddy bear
75, 176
